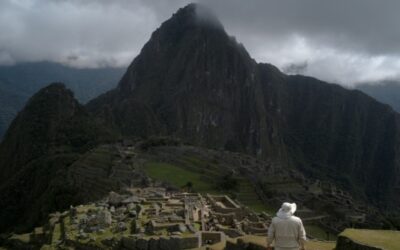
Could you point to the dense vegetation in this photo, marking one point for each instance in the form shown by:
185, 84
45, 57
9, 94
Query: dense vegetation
43, 140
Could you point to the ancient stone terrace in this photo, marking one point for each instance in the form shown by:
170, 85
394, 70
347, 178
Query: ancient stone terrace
321, 203
151, 218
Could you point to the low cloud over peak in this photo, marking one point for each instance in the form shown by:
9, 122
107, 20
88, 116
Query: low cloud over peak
341, 41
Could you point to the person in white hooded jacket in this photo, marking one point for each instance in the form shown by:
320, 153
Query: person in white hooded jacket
286, 230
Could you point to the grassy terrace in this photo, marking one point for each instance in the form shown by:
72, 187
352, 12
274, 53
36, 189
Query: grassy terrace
310, 245
100, 157
318, 245
318, 233
178, 176
56, 236
385, 239
21, 237
203, 180
247, 196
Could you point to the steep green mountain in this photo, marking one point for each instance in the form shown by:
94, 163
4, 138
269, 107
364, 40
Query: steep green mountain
21, 81
192, 81
387, 92
43, 140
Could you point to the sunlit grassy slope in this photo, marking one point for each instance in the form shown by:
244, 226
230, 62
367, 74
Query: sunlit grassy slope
203, 181
389, 240
310, 245
318, 233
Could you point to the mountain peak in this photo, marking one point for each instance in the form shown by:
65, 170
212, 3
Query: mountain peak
192, 32
193, 17
198, 14
55, 87
52, 118
55, 99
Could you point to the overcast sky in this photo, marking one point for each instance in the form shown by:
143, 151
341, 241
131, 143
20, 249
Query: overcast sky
343, 41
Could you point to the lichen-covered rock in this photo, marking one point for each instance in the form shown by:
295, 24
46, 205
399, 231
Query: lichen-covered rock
131, 206
104, 218
121, 226
114, 199
182, 228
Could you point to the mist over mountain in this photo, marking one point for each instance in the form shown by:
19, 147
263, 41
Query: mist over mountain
21, 81
386, 92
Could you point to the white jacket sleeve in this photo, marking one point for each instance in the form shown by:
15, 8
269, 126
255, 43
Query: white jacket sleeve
271, 233
302, 234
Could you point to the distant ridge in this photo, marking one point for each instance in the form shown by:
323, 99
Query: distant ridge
20, 81
386, 92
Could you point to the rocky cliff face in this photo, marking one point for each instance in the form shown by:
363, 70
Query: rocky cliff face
344, 135
193, 81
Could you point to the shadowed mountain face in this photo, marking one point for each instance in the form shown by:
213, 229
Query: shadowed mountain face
52, 121
42, 141
342, 135
193, 81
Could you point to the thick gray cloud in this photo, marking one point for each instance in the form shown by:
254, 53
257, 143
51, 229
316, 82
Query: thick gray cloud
345, 41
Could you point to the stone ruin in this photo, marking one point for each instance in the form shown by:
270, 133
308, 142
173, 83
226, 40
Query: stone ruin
315, 197
152, 218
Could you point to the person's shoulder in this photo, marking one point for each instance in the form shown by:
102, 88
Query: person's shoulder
276, 219
295, 218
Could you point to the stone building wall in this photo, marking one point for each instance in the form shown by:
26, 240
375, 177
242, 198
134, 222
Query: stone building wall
175, 243
241, 245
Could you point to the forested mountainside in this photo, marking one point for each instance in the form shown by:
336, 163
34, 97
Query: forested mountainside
47, 136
